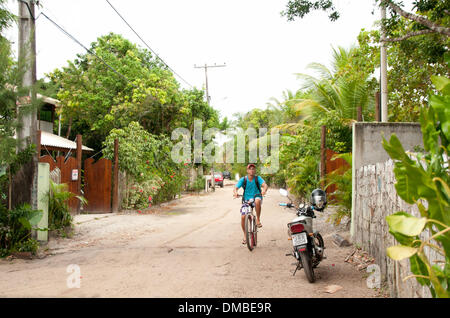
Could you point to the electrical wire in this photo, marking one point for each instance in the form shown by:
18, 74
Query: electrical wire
88, 50
147, 44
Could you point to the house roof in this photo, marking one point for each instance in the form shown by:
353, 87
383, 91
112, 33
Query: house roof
49, 100
51, 140
25, 100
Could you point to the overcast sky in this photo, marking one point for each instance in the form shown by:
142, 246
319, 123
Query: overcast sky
261, 49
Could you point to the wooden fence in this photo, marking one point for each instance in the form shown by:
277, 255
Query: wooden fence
333, 165
66, 167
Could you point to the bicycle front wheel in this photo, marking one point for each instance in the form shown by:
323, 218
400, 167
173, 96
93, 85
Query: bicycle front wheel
255, 231
249, 231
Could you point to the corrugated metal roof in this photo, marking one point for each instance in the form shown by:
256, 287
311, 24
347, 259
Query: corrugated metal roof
48, 139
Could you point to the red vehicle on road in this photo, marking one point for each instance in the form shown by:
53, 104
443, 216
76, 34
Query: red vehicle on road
218, 179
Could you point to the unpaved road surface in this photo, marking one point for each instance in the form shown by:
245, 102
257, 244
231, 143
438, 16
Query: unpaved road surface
188, 248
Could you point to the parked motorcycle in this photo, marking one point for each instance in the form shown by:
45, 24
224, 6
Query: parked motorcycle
307, 245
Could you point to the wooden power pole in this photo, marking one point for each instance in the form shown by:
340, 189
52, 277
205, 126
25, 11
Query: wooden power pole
25, 181
383, 75
208, 100
323, 154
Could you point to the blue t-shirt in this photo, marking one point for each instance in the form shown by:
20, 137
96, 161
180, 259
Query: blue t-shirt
250, 189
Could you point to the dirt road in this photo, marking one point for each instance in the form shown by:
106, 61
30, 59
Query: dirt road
190, 248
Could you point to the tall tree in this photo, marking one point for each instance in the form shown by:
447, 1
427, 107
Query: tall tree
431, 15
413, 61
342, 90
117, 85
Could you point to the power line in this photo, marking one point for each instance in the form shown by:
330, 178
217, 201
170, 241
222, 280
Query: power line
88, 50
147, 44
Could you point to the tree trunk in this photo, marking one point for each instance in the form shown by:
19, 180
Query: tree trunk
69, 129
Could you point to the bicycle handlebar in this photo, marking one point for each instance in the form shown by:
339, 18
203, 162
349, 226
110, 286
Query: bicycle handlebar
254, 196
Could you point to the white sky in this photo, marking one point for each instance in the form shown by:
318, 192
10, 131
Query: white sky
261, 48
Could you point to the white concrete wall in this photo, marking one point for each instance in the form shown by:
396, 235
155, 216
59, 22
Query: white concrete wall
377, 198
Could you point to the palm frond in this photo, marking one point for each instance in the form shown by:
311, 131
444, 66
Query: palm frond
308, 81
321, 69
291, 128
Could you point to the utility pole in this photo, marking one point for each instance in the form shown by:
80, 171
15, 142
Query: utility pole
208, 100
383, 75
25, 181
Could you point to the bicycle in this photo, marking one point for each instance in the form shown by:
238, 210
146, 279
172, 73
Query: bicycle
251, 230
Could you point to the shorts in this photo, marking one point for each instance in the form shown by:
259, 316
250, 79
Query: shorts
245, 211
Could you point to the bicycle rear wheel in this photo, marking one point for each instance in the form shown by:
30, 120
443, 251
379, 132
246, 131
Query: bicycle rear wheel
249, 231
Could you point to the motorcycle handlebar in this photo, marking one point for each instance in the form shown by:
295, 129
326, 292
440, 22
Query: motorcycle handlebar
289, 205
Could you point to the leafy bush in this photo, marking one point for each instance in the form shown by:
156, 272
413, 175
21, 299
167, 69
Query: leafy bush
303, 176
299, 154
58, 209
141, 194
198, 185
150, 171
426, 178
15, 229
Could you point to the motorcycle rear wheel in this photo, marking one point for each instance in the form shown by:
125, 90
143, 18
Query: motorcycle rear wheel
307, 266
318, 240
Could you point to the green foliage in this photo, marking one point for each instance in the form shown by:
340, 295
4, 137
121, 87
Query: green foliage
300, 8
15, 229
137, 146
302, 176
142, 194
150, 171
425, 179
59, 216
330, 101
96, 100
434, 11
342, 196
412, 62
6, 17
15, 224
198, 185
342, 90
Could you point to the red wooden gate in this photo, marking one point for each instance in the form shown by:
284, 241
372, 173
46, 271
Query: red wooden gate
332, 165
97, 185
66, 168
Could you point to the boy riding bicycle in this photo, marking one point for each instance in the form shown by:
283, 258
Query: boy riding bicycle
252, 186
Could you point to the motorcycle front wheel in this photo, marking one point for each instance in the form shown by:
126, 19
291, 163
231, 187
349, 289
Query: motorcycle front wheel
307, 266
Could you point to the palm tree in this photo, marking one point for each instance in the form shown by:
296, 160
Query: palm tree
332, 91
283, 114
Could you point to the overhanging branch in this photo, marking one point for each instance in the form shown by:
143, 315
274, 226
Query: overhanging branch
409, 35
419, 19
